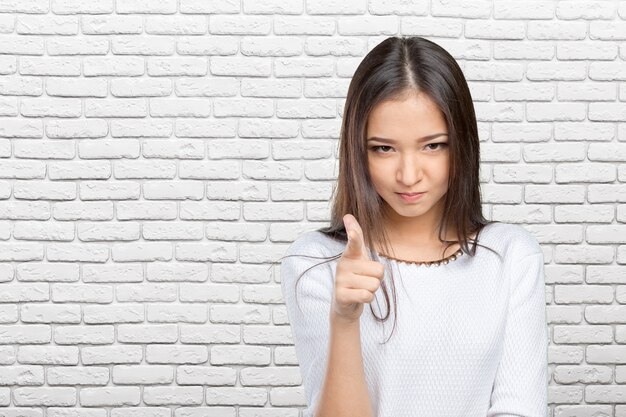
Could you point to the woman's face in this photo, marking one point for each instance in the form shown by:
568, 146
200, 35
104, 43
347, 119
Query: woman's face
414, 158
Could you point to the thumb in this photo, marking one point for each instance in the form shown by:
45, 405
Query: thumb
355, 248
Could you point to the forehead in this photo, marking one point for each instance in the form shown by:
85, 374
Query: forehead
410, 116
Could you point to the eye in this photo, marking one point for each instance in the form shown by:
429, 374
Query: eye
442, 145
375, 148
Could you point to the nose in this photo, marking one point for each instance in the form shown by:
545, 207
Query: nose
410, 170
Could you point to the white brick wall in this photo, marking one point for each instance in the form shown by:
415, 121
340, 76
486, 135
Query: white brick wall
152, 161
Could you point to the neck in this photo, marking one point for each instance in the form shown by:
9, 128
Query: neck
416, 231
417, 238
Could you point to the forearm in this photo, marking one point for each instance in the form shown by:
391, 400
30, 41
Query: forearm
344, 393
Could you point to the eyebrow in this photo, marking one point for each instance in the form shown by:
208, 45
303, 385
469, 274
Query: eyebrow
425, 138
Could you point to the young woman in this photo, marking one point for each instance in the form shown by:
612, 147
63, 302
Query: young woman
469, 337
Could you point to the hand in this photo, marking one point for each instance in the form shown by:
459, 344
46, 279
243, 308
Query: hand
357, 277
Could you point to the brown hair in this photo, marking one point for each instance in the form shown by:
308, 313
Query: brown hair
394, 68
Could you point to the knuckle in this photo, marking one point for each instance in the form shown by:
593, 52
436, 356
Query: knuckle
376, 268
343, 267
340, 281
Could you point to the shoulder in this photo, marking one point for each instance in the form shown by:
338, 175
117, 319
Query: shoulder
310, 253
514, 239
314, 243
310, 249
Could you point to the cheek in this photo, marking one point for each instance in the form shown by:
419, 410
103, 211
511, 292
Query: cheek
377, 173
377, 177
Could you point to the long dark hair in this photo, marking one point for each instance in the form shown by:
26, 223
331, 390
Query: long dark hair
394, 68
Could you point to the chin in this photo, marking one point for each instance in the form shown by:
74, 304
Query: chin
409, 211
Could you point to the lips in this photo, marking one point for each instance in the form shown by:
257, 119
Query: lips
412, 194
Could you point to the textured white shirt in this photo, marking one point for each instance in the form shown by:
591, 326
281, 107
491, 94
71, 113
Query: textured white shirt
471, 338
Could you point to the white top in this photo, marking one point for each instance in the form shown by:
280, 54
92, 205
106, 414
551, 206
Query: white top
471, 338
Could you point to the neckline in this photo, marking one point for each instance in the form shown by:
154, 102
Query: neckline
436, 262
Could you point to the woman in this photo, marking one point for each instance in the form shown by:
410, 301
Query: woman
469, 336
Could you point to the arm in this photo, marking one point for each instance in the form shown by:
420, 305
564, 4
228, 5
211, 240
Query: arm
345, 390
328, 351
521, 384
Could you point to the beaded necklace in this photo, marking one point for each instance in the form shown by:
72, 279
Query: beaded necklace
427, 263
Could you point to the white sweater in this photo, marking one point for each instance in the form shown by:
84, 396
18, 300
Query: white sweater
471, 338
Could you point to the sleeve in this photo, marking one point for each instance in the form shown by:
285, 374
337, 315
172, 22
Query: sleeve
520, 387
308, 314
